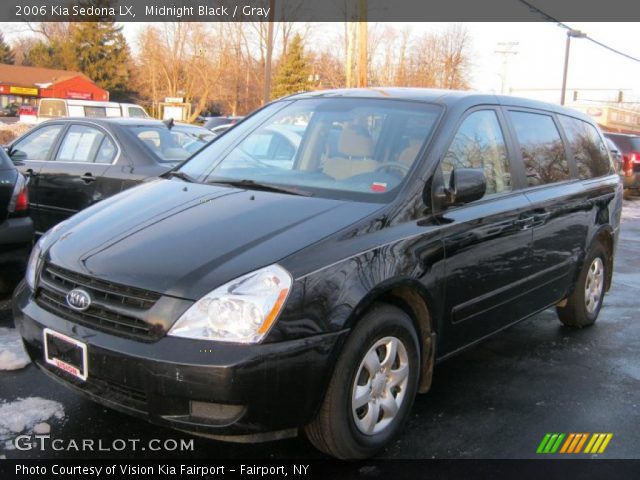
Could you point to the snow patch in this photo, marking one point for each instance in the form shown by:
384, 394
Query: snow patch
12, 354
631, 210
24, 414
42, 428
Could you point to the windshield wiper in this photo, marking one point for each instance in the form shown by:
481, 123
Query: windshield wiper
180, 175
267, 187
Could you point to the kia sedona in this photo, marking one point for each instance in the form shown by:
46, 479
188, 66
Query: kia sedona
266, 288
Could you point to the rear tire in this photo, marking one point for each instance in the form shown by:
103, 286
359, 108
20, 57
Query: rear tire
584, 304
373, 386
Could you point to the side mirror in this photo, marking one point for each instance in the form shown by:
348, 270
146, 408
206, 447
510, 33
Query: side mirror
465, 185
17, 155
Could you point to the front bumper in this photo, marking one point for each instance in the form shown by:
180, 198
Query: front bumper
208, 388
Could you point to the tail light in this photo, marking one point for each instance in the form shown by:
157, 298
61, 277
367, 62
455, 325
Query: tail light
19, 203
627, 164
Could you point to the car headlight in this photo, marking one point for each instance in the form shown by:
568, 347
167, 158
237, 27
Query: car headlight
33, 264
241, 311
36, 256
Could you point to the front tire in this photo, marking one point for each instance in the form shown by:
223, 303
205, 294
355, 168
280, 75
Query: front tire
584, 304
373, 386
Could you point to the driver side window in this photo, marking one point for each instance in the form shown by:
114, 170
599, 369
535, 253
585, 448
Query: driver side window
479, 143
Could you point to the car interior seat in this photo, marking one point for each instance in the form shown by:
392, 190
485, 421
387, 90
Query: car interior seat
355, 152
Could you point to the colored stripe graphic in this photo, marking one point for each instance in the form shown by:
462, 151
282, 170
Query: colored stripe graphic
550, 443
568, 442
597, 443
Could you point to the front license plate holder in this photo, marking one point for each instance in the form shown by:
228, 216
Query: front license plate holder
66, 353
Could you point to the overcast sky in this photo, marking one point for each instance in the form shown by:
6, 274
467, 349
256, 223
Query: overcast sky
537, 65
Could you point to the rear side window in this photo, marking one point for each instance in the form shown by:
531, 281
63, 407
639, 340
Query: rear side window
136, 112
626, 143
95, 112
479, 143
589, 151
80, 144
52, 109
543, 152
106, 152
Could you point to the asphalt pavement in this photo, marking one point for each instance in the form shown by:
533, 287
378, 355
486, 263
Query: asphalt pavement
496, 400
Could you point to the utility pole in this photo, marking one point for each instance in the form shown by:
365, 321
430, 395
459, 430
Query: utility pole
362, 43
351, 46
506, 49
266, 94
570, 34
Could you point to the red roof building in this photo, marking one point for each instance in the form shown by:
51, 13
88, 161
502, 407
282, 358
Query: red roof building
23, 85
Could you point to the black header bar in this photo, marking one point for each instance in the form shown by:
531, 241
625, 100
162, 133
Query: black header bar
318, 10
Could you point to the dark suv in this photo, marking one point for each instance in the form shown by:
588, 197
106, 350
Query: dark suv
265, 288
16, 228
629, 147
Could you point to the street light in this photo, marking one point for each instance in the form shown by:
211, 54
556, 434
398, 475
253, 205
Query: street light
574, 34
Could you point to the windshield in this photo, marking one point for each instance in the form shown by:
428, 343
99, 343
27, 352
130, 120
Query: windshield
159, 141
334, 147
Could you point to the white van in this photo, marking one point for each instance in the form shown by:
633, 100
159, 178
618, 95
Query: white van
61, 107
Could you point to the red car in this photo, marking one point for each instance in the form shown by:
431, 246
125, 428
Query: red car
629, 147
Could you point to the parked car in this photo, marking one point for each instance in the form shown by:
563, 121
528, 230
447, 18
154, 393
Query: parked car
221, 129
616, 156
629, 146
191, 137
214, 122
249, 300
76, 162
16, 228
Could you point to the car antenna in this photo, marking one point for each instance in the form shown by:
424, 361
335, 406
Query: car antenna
169, 123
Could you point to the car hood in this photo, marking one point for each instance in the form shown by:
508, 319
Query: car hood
184, 239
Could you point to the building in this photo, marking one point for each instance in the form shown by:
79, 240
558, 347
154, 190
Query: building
25, 85
612, 118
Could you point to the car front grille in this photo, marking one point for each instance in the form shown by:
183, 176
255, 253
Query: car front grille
115, 308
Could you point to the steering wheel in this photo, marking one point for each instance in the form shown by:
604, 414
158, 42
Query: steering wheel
393, 165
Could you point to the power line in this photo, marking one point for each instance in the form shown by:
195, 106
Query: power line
549, 18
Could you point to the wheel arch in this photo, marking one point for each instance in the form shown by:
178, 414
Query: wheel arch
603, 236
411, 297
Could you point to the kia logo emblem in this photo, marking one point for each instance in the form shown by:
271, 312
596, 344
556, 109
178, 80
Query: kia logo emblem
78, 299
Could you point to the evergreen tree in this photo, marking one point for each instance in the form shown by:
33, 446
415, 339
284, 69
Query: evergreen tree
55, 54
102, 54
294, 71
6, 54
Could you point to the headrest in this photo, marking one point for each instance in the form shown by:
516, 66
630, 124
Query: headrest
354, 143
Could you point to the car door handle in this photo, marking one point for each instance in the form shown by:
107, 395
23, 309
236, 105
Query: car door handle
88, 178
540, 218
31, 172
525, 223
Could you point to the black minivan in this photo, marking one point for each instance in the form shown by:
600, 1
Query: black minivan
307, 269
